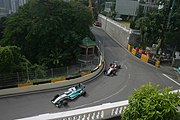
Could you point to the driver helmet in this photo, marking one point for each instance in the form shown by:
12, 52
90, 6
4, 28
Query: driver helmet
111, 65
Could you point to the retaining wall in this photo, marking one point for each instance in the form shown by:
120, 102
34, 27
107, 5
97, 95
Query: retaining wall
116, 31
120, 34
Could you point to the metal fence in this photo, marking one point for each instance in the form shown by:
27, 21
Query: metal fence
44, 75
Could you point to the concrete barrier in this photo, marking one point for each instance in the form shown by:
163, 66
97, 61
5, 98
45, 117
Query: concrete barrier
144, 58
99, 112
133, 51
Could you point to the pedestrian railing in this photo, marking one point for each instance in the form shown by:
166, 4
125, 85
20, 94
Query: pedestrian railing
99, 112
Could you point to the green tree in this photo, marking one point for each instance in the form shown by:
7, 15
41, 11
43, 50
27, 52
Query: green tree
140, 10
152, 103
142, 24
11, 60
161, 27
43, 27
2, 26
173, 32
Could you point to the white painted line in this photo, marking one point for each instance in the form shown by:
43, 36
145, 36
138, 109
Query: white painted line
171, 79
125, 66
100, 99
129, 76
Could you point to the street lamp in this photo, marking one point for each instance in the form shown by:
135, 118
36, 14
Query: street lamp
170, 14
27, 72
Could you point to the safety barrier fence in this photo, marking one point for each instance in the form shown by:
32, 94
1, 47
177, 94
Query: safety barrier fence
99, 112
143, 57
56, 82
46, 76
8, 80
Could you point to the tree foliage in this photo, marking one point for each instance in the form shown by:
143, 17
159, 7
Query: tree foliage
11, 59
156, 27
173, 34
2, 26
47, 30
152, 103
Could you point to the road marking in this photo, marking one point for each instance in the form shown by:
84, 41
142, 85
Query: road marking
129, 76
171, 79
100, 99
125, 66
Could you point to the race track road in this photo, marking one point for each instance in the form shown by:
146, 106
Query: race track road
104, 89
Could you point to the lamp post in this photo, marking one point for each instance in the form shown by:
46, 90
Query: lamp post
27, 72
170, 14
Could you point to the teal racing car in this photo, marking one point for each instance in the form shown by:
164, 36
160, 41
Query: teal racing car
71, 94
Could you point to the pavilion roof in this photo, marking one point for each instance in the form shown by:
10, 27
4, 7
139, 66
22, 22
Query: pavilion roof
87, 42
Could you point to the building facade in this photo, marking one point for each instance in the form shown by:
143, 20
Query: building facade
10, 6
108, 6
130, 7
126, 7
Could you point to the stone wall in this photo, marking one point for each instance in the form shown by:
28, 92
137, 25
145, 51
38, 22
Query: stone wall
116, 31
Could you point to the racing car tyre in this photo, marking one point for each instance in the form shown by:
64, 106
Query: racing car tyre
65, 102
57, 105
105, 72
119, 67
83, 93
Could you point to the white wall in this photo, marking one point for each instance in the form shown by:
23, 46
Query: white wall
126, 7
119, 33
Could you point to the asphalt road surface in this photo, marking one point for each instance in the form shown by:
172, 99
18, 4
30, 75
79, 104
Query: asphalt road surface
104, 89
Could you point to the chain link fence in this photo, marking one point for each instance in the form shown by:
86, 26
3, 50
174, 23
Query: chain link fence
44, 75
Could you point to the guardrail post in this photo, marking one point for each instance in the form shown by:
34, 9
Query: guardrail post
67, 70
52, 75
18, 77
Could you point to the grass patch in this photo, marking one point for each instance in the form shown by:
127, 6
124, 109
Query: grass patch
124, 23
178, 116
